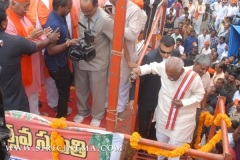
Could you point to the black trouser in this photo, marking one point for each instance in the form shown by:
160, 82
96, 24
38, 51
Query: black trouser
62, 79
145, 129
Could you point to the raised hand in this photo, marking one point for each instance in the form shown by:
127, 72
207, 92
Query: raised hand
35, 34
54, 36
132, 65
47, 31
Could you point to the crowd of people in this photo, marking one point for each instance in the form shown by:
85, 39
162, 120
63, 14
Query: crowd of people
204, 49
180, 78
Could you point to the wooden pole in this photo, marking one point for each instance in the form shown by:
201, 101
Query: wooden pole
114, 77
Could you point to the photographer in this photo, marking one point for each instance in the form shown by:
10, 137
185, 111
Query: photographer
91, 76
56, 54
13, 48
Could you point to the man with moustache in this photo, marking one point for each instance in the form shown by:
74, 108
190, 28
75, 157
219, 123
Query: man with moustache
92, 76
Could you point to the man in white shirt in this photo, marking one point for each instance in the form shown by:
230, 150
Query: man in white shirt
225, 52
144, 16
168, 11
191, 8
133, 27
198, 16
222, 12
215, 7
206, 49
179, 46
221, 47
232, 10
202, 38
185, 15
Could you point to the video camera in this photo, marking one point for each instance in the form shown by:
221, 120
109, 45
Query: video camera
84, 50
4, 131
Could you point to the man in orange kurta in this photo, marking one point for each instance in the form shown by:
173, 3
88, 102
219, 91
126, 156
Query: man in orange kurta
19, 24
38, 13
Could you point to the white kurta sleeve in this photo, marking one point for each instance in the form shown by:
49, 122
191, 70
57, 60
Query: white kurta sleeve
133, 29
197, 93
154, 68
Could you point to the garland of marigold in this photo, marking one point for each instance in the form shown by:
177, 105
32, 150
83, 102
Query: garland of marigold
179, 151
57, 141
207, 119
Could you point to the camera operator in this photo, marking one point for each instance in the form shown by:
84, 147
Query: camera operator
13, 48
92, 75
56, 55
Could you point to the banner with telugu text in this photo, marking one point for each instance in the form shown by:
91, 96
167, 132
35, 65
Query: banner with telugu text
31, 140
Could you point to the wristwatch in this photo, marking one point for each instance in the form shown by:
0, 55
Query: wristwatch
68, 43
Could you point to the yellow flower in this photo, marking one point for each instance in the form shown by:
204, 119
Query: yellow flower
209, 146
208, 120
55, 155
58, 123
157, 151
57, 141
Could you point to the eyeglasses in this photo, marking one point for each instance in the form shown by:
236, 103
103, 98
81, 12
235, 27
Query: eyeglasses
164, 52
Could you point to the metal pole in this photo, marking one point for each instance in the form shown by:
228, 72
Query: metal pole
161, 10
191, 152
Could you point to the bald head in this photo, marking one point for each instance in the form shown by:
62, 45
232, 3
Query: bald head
174, 68
20, 7
89, 7
174, 63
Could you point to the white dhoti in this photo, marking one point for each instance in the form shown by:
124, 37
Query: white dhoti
166, 139
124, 86
52, 92
217, 23
33, 103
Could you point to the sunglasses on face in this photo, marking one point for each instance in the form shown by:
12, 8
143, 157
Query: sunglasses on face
164, 52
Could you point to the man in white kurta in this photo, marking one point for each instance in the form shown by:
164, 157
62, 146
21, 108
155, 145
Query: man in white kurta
222, 12
198, 15
183, 129
133, 26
